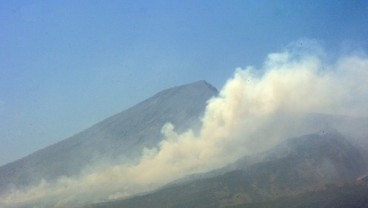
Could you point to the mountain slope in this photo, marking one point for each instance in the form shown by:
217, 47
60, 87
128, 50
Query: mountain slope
349, 195
297, 166
123, 135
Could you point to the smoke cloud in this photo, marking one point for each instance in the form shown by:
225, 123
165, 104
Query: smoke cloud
254, 111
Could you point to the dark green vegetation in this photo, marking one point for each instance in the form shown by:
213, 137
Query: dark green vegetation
301, 172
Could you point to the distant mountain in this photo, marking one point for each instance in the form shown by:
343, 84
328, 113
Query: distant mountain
297, 166
122, 136
353, 127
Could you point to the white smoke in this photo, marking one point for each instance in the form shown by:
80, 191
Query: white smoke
255, 110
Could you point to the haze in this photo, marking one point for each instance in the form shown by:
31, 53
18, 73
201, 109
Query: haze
66, 65
255, 110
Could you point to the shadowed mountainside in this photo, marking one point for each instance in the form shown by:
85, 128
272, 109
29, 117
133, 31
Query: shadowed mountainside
349, 195
297, 166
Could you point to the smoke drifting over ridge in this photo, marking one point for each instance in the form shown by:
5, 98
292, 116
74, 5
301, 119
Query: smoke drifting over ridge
255, 110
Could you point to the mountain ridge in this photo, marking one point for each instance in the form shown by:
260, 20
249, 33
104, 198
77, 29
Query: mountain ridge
122, 135
306, 167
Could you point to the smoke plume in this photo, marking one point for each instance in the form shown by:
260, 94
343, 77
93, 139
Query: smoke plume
254, 111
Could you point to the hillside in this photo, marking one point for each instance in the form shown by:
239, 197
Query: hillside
122, 136
297, 166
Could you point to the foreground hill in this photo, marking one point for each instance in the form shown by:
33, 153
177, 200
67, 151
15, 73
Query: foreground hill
120, 136
343, 196
296, 167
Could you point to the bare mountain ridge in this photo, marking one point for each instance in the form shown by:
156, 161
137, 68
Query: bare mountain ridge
123, 135
297, 166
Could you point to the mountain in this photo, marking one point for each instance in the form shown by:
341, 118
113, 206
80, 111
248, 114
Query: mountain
350, 195
295, 167
353, 127
121, 136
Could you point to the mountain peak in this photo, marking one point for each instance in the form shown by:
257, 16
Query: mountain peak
122, 135
200, 85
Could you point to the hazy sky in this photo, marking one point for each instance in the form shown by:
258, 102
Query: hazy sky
65, 65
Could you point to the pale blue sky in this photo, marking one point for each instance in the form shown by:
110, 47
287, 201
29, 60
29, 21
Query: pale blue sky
65, 65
